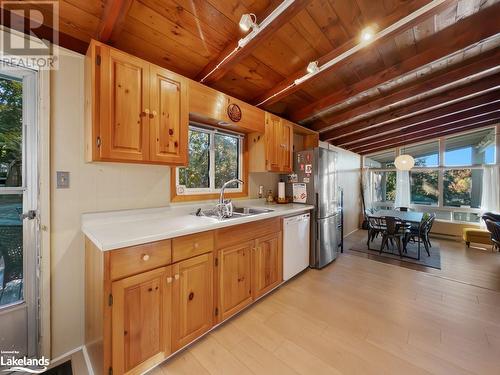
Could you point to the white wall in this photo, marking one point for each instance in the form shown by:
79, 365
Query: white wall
349, 178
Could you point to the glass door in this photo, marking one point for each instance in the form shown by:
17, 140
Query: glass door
18, 215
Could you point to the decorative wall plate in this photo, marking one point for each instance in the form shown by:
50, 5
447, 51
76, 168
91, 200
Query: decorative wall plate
234, 112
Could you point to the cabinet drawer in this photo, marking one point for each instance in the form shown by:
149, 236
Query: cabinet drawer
238, 234
194, 244
137, 259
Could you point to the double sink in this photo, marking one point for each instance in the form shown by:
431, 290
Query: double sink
237, 212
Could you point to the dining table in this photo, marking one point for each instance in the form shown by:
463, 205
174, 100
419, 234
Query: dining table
412, 217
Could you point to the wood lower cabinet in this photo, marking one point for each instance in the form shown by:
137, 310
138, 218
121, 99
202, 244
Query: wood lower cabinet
234, 279
267, 264
141, 319
144, 302
192, 307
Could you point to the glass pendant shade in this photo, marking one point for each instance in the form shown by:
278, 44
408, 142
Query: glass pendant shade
404, 162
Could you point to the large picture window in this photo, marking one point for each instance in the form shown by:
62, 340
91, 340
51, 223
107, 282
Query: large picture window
447, 178
214, 158
424, 188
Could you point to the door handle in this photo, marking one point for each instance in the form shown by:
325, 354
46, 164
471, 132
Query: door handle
30, 215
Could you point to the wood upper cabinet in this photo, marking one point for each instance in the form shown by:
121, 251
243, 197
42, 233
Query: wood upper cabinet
267, 264
286, 146
273, 151
273, 141
141, 319
135, 111
192, 301
168, 135
234, 279
124, 98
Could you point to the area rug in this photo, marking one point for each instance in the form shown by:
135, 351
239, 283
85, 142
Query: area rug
433, 261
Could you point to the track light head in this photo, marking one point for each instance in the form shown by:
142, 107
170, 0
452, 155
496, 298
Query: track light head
248, 21
312, 67
367, 34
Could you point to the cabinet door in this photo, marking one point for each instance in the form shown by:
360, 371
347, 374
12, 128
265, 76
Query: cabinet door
169, 117
192, 299
267, 264
124, 107
273, 136
286, 146
234, 279
141, 320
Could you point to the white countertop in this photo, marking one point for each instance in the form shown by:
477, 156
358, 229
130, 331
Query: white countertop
117, 229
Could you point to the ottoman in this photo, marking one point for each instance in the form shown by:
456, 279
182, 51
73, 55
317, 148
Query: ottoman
476, 235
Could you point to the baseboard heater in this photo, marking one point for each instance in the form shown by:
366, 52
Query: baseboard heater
446, 236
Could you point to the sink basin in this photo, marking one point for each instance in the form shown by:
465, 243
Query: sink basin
237, 212
250, 211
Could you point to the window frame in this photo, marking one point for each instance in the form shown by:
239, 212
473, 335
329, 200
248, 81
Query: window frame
212, 192
440, 207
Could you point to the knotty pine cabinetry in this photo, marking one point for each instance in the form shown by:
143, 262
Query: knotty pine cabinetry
135, 111
147, 301
273, 150
213, 107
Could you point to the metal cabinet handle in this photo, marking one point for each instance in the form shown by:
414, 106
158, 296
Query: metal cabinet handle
169, 279
196, 245
145, 257
177, 276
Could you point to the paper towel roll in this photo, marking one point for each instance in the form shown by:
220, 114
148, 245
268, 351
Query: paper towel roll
281, 190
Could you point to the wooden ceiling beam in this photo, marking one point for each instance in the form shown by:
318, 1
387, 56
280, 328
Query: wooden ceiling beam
445, 103
231, 55
424, 87
429, 128
113, 19
427, 137
473, 107
456, 37
344, 53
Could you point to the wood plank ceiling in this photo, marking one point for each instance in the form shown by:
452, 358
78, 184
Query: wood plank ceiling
435, 74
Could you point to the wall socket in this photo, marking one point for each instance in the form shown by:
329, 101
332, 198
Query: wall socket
62, 180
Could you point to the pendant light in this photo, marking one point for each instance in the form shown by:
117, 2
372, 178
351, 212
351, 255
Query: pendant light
404, 162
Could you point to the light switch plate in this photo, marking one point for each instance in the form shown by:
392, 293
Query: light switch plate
62, 180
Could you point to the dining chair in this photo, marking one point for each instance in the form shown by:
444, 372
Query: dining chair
494, 228
375, 226
395, 229
422, 231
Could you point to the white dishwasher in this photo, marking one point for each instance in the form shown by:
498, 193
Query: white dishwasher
295, 245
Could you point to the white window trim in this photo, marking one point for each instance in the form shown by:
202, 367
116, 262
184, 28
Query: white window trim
212, 190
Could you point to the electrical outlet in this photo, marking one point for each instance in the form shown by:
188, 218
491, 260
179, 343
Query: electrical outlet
62, 180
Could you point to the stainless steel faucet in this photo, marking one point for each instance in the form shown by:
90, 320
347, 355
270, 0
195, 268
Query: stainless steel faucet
224, 208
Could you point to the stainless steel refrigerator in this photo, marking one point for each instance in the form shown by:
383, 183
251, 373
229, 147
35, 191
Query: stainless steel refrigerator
317, 170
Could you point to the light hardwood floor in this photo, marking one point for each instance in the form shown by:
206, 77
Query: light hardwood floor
476, 265
356, 316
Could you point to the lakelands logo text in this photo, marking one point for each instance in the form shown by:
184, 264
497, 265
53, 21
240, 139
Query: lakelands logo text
24, 364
